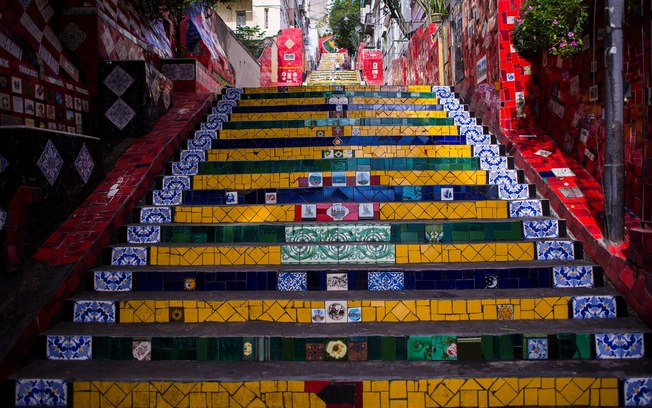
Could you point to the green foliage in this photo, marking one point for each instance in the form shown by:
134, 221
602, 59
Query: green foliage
434, 6
553, 25
344, 18
252, 38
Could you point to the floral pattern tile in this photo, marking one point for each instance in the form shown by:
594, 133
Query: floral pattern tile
131, 256
94, 311
143, 234
637, 392
69, 348
185, 168
84, 164
541, 229
495, 163
193, 156
537, 348
41, 392
141, 350
292, 281
513, 191
594, 307
337, 281
386, 281
112, 281
156, 215
50, 162
525, 209
555, 250
176, 183
573, 276
337, 254
167, 197
619, 345
503, 177
486, 150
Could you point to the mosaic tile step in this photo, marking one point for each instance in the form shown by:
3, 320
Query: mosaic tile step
383, 211
335, 111
332, 122
343, 131
312, 100
362, 178
359, 232
325, 106
355, 87
373, 384
152, 345
346, 307
310, 93
336, 194
515, 275
340, 253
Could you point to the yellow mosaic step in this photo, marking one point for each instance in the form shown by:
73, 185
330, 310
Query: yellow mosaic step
395, 211
354, 88
327, 131
380, 385
293, 180
240, 117
388, 151
320, 101
288, 307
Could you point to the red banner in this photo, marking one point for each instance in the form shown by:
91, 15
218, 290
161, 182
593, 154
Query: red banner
290, 57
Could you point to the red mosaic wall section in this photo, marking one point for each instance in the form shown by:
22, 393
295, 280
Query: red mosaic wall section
290, 56
372, 67
397, 72
265, 61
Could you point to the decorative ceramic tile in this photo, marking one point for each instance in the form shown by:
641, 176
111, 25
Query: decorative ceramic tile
505, 312
358, 349
193, 156
167, 197
84, 164
143, 234
337, 281
202, 143
337, 211
338, 178
549, 250
354, 314
447, 194
308, 211
458, 114
525, 209
120, 114
513, 191
189, 284
315, 351
619, 345
50, 162
133, 256
203, 134
490, 281
315, 180
487, 150
503, 177
336, 311
3, 163
187, 168
386, 281
223, 108
231, 197
362, 178
572, 276
93, 311
594, 307
563, 172
213, 122
176, 183
434, 233
118, 81
495, 163
355, 131
412, 193
176, 314
461, 118
292, 281
451, 104
69, 348
366, 211
637, 392
541, 229
318, 315
41, 392
537, 348
232, 94
156, 215
112, 281
270, 197
443, 92
141, 350
444, 348
336, 349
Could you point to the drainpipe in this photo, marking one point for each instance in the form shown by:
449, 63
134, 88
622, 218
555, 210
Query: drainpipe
614, 169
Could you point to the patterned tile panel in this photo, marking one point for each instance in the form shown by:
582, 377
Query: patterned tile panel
537, 348
167, 197
112, 281
386, 281
555, 250
69, 348
185, 168
83, 163
292, 281
541, 229
41, 392
156, 215
503, 177
176, 183
637, 392
513, 191
132, 256
143, 234
619, 345
594, 307
525, 209
573, 276
90, 311
50, 162
120, 114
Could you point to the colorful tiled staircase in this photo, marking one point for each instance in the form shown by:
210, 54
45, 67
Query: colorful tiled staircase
326, 74
343, 246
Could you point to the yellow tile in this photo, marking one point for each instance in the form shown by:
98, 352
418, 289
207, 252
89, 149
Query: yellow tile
371, 399
380, 385
398, 404
444, 306
459, 306
474, 306
397, 389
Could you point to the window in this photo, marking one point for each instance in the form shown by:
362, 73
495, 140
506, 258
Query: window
266, 18
240, 18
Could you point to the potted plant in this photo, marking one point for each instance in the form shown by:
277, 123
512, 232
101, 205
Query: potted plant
436, 10
556, 26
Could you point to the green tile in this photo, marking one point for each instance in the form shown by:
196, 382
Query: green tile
275, 349
101, 348
388, 348
469, 349
288, 349
202, 348
163, 348
213, 348
374, 347
444, 348
400, 345
419, 348
506, 351
299, 349
230, 348
490, 348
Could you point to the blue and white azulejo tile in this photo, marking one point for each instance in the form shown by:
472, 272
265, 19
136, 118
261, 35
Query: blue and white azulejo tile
155, 215
637, 392
541, 229
537, 348
232, 94
513, 191
193, 155
619, 345
572, 276
594, 307
223, 108
112, 281
386, 281
185, 168
94, 311
129, 256
214, 122
451, 104
555, 250
69, 348
167, 197
201, 143
494, 163
176, 183
443, 92
41, 393
143, 234
503, 177
486, 150
525, 209
201, 134
292, 281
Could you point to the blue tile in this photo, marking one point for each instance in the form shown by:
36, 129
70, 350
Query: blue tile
112, 281
540, 229
386, 281
167, 197
637, 392
155, 215
525, 209
594, 307
555, 250
619, 345
292, 281
573, 276
537, 348
41, 392
131, 256
69, 348
143, 234
92, 311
